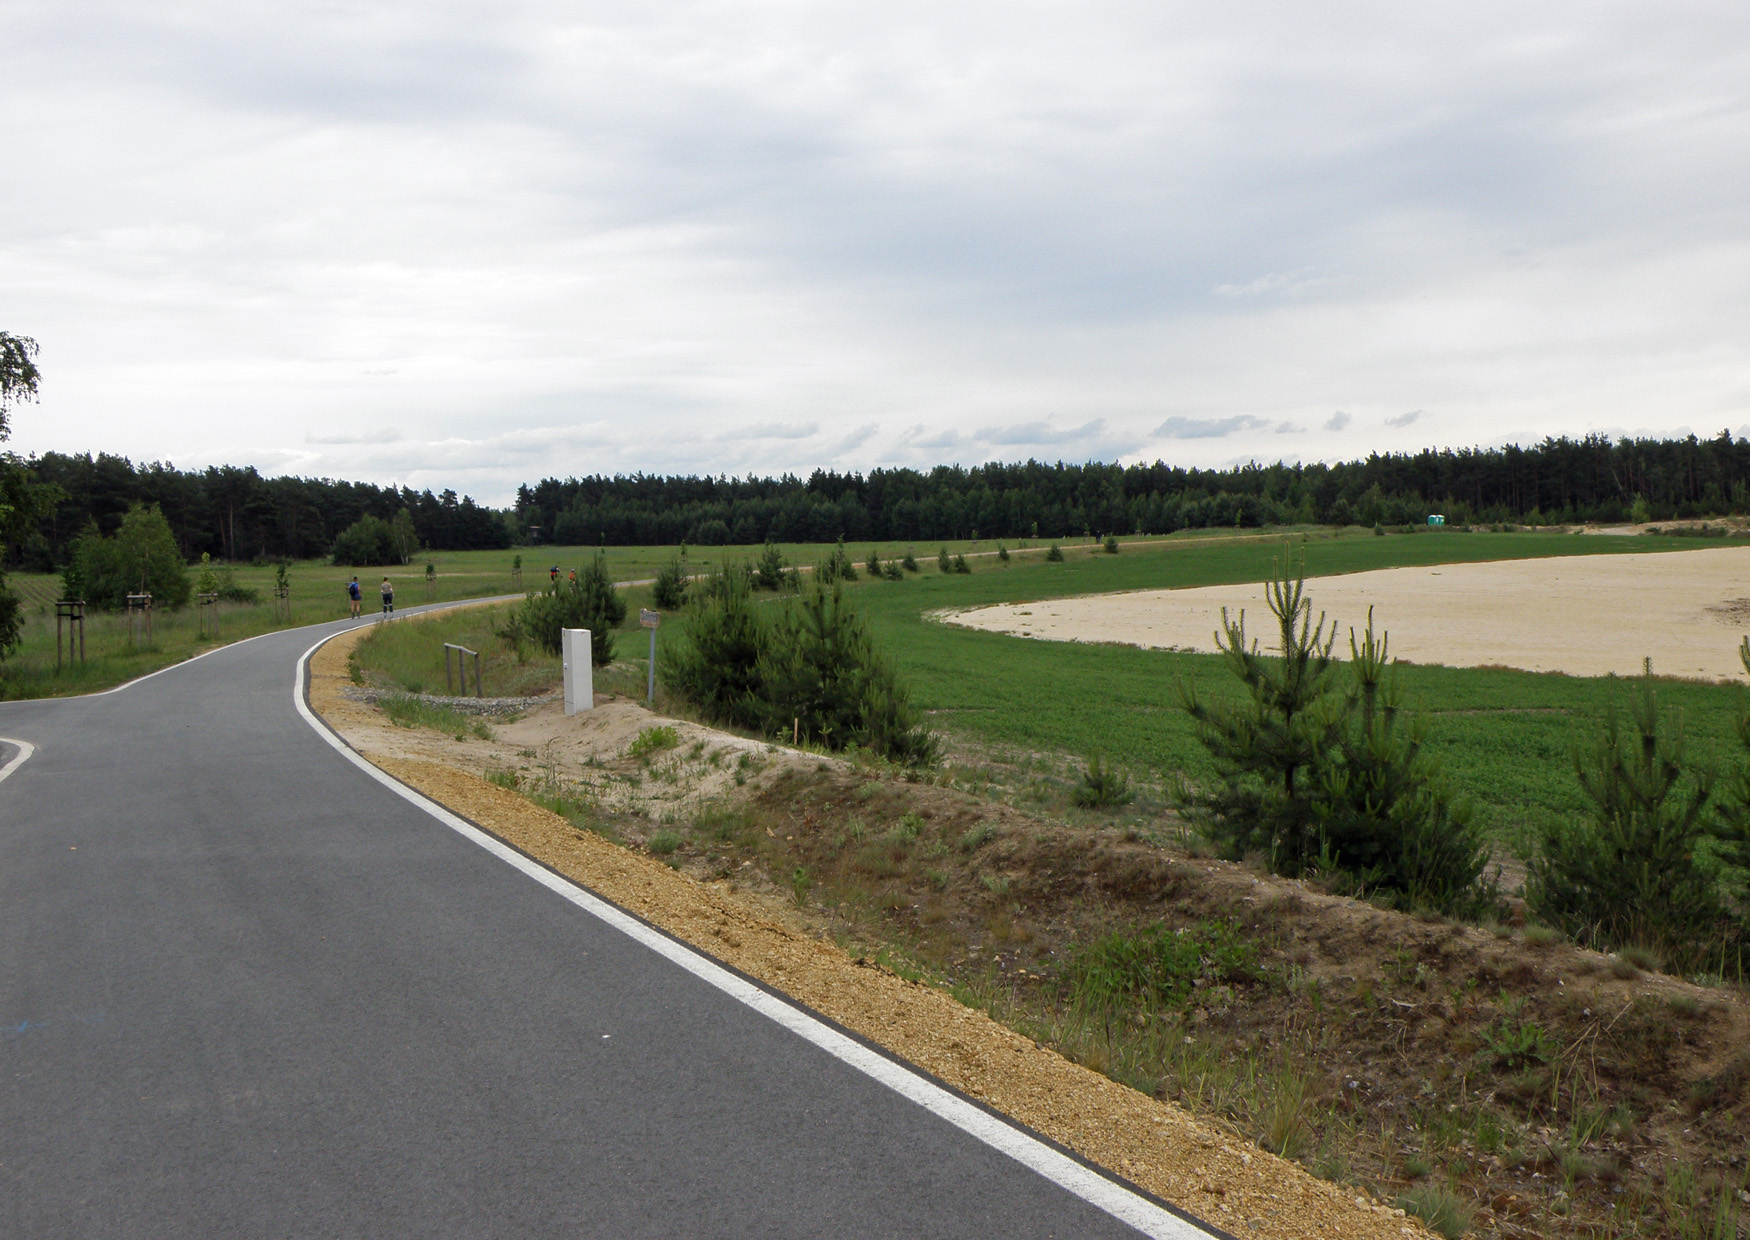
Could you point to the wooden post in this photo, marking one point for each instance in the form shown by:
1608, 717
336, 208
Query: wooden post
70, 611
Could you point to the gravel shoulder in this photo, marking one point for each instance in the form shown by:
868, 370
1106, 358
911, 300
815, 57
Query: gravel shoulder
1156, 1145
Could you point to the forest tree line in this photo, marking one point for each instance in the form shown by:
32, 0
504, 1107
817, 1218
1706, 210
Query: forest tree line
234, 513
1559, 481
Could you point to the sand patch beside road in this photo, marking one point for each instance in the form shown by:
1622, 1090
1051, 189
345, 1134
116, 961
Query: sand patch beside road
1583, 615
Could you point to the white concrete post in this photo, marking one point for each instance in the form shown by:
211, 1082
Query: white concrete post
579, 667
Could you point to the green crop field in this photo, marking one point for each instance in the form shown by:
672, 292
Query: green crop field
1505, 737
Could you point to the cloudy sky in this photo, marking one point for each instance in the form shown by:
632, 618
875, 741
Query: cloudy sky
469, 245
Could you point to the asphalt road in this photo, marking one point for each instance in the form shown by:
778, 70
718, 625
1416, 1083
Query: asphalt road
247, 989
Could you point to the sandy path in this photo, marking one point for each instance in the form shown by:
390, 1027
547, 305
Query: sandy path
1584, 615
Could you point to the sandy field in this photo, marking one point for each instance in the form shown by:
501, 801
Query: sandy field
1583, 615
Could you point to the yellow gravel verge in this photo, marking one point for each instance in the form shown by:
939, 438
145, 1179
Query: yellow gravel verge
1212, 1174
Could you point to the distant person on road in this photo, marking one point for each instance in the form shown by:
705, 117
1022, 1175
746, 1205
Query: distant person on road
388, 598
553, 575
352, 597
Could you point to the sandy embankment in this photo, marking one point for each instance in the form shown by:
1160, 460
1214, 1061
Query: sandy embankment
1584, 615
1210, 1172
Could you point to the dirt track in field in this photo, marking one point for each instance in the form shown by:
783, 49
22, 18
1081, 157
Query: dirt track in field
1583, 615
1157, 1145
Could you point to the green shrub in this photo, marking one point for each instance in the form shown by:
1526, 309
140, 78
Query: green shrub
893, 572
1111, 544
1102, 786
1002, 553
909, 563
1055, 554
812, 667
663, 843
1630, 874
977, 837
669, 591
876, 572
142, 556
944, 562
960, 564
371, 540
590, 602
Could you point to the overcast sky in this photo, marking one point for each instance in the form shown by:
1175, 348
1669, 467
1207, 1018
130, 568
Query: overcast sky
471, 245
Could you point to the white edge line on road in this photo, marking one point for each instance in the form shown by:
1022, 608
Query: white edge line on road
1068, 1174
25, 749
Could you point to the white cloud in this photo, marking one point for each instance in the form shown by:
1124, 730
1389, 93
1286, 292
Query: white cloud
772, 430
247, 234
1208, 428
1404, 419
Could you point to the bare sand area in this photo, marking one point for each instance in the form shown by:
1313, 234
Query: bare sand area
1584, 615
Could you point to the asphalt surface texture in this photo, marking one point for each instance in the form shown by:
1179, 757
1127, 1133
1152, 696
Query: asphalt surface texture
249, 991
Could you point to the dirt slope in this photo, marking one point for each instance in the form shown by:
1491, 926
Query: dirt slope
1210, 1172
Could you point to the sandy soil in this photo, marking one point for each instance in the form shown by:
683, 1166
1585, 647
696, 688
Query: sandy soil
1583, 615
1156, 1145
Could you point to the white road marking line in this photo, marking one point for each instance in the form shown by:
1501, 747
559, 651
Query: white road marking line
25, 749
1095, 1189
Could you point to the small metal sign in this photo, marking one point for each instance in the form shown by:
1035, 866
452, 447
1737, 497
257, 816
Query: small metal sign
649, 619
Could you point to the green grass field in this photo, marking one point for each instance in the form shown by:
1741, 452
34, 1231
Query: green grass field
1505, 737
318, 594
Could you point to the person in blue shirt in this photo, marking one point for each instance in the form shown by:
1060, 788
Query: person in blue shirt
352, 597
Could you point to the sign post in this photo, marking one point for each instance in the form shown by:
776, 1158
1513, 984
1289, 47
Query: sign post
575, 658
650, 619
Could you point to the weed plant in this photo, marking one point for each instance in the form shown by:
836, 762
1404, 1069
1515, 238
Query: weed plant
653, 740
1102, 786
413, 712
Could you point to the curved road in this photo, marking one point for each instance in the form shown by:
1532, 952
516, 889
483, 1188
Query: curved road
250, 987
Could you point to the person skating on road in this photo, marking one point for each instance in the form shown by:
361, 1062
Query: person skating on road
353, 596
388, 598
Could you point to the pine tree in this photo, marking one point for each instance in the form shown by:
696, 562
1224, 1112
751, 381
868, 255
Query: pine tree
1732, 823
769, 572
669, 591
715, 663
1386, 815
1630, 875
1271, 750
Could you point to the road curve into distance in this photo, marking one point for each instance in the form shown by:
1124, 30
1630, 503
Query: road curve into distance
249, 986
